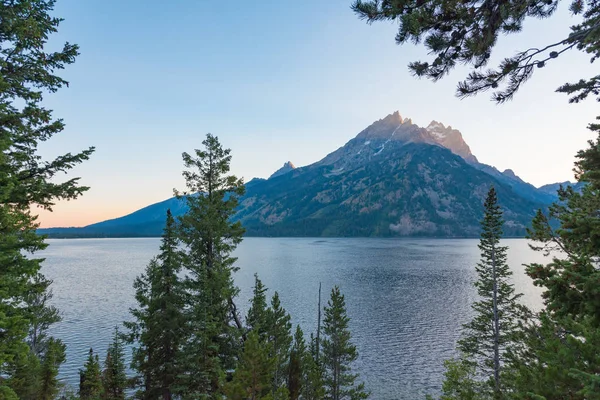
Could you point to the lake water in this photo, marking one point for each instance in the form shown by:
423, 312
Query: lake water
407, 298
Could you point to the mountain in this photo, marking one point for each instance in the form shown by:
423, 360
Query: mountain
393, 179
287, 167
146, 222
552, 188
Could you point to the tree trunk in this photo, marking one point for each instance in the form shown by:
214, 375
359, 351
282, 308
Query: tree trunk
496, 327
318, 326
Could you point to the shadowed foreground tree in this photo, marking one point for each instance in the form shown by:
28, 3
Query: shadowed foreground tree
465, 33
561, 359
27, 74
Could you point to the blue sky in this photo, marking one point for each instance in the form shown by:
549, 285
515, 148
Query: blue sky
276, 81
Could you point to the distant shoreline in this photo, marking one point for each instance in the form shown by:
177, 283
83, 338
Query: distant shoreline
287, 237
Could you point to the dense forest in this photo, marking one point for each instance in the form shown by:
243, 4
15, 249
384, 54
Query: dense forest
189, 340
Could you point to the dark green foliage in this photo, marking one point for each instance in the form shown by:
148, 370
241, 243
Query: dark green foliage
34, 375
40, 314
313, 387
296, 370
465, 32
460, 381
495, 326
53, 357
25, 376
257, 318
560, 358
339, 353
90, 378
158, 329
214, 328
273, 327
27, 72
280, 340
114, 379
572, 283
253, 377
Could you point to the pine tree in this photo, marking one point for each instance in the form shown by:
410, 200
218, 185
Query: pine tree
466, 32
34, 375
257, 318
296, 368
339, 352
114, 379
495, 325
27, 73
560, 358
280, 340
90, 378
40, 313
25, 376
53, 357
253, 377
460, 381
206, 230
159, 322
313, 387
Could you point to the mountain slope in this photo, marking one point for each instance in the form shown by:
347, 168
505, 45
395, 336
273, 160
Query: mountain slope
415, 190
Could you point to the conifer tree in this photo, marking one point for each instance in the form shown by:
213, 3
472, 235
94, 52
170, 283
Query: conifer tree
34, 375
90, 378
40, 313
313, 387
53, 357
25, 376
495, 326
253, 377
280, 340
27, 74
560, 358
466, 32
296, 368
339, 353
114, 379
158, 329
257, 318
206, 230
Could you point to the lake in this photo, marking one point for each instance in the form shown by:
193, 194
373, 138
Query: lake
406, 298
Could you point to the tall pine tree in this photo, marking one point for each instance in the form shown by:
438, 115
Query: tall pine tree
488, 337
560, 358
53, 357
280, 340
313, 386
90, 378
159, 322
214, 327
258, 313
27, 74
339, 353
253, 377
114, 378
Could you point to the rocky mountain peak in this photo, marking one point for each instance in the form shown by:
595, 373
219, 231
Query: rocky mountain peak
451, 139
287, 167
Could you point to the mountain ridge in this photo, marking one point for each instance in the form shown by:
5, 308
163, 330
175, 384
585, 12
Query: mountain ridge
394, 178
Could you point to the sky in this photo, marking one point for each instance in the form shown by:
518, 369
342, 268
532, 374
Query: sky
276, 81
